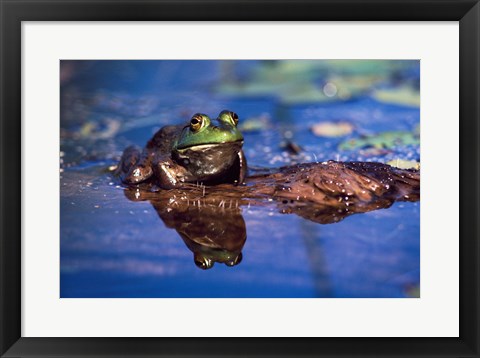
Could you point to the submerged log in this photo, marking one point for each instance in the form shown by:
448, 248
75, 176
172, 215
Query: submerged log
209, 219
322, 192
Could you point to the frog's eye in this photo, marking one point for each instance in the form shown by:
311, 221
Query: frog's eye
235, 261
228, 117
196, 122
234, 117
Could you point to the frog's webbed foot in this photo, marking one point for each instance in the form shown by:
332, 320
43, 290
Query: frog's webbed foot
138, 173
134, 167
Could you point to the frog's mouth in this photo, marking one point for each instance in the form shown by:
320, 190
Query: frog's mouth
206, 146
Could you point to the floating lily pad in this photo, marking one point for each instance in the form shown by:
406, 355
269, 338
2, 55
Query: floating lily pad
385, 140
93, 130
353, 85
332, 129
304, 93
303, 81
364, 67
405, 96
255, 124
404, 164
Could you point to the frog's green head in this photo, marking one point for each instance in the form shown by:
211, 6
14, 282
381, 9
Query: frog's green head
209, 149
203, 131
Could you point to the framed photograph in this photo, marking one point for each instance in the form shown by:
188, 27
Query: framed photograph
239, 178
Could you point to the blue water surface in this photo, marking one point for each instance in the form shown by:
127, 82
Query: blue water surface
114, 247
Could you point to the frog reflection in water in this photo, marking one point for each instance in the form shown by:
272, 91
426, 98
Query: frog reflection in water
204, 150
213, 234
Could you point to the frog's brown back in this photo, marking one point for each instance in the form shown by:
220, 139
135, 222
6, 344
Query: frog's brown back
164, 139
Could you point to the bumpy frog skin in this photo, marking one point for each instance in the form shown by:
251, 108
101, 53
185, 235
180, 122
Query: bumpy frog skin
204, 150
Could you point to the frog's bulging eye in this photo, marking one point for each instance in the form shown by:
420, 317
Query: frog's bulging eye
235, 261
227, 116
203, 263
234, 117
196, 122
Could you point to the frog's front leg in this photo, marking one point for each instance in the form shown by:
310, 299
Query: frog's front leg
135, 166
168, 174
130, 157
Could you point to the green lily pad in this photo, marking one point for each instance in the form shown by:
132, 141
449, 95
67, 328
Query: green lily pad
304, 93
365, 67
353, 85
384, 140
405, 96
255, 124
300, 81
92, 130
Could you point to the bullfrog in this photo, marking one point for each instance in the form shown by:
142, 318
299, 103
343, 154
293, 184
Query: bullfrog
205, 150
211, 234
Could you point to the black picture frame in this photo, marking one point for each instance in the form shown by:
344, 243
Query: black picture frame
13, 12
